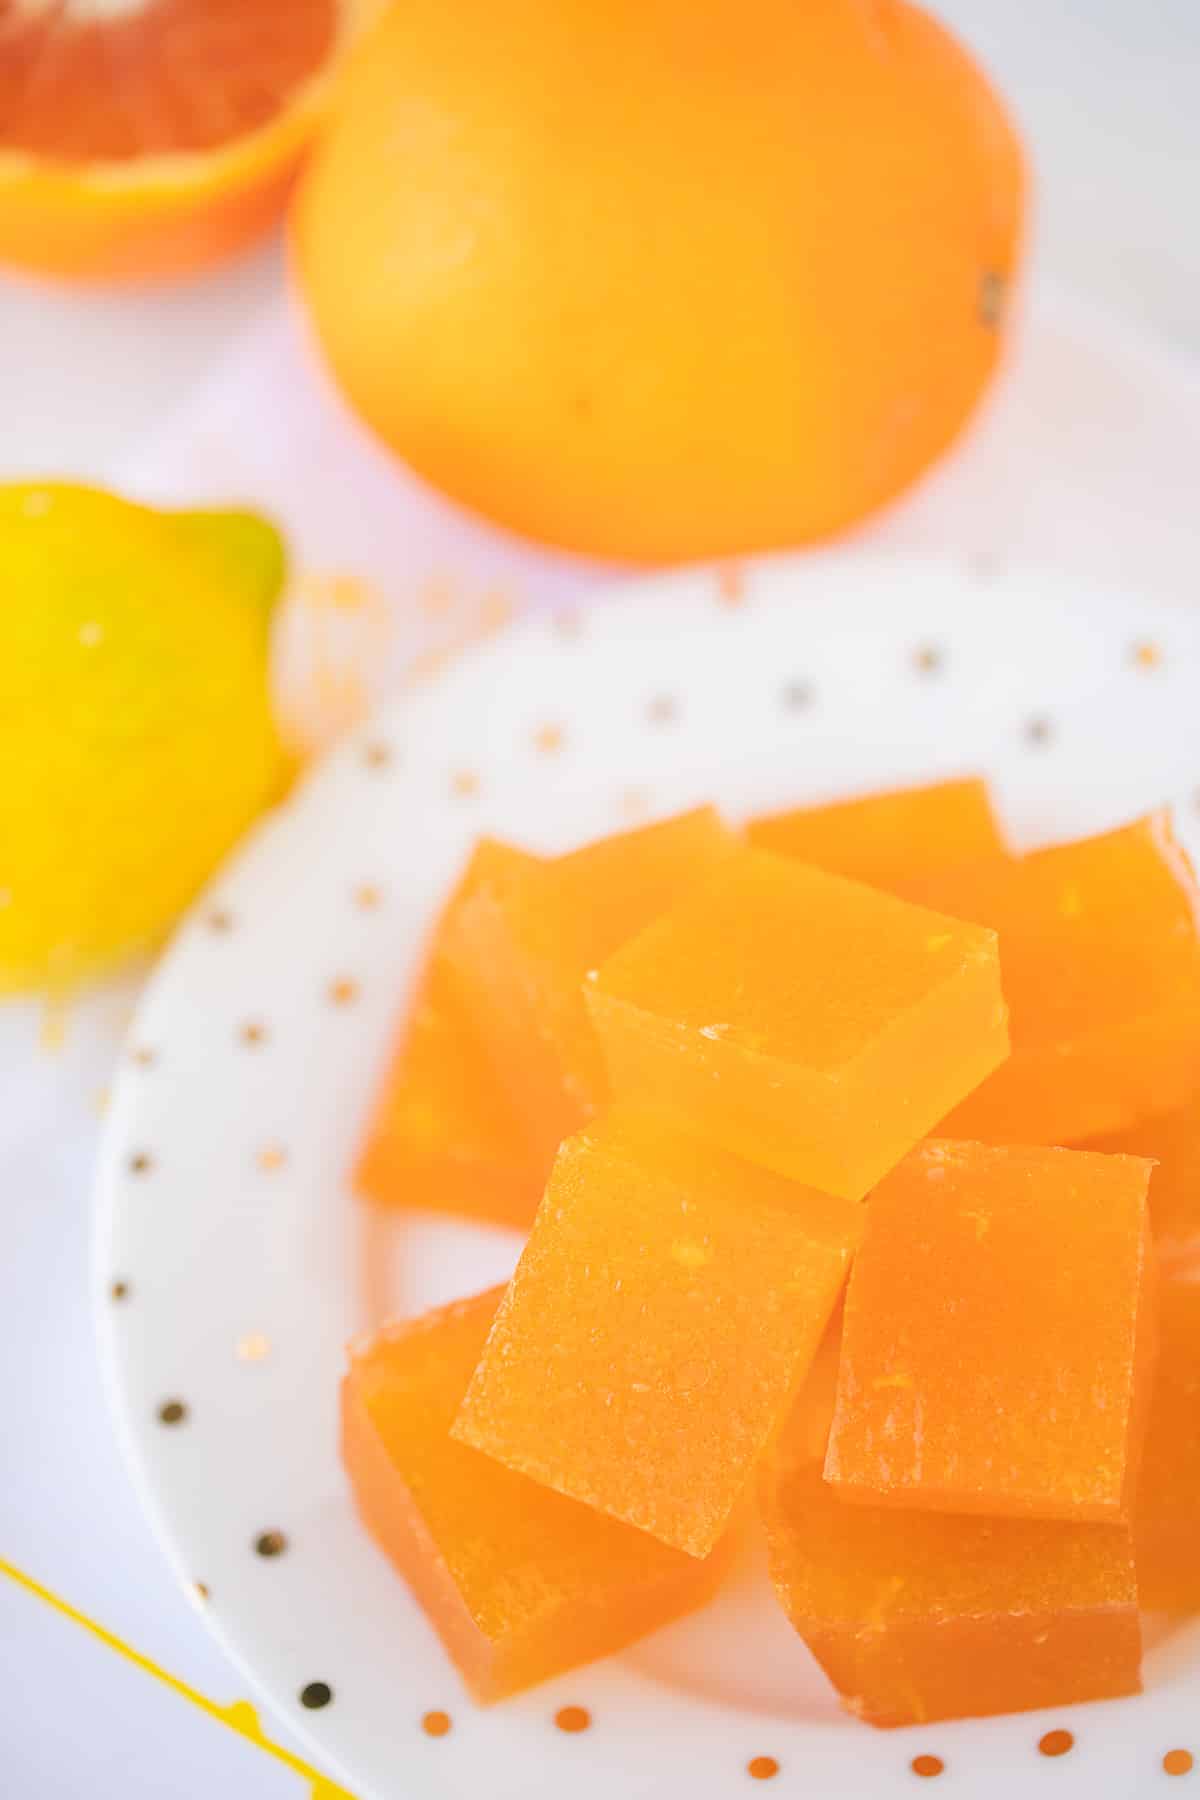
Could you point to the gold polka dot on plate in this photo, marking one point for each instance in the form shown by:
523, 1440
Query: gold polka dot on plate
252, 1033
141, 1163
548, 740
927, 1766
172, 1412
377, 755
270, 1543
253, 1347
271, 1157
343, 990
464, 783
367, 896
1146, 655
762, 1768
929, 659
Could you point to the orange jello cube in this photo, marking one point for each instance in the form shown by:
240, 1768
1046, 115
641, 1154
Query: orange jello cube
920, 1616
878, 837
443, 1136
1100, 956
997, 1347
1166, 1515
520, 1583
667, 1306
519, 947
1172, 1141
806, 1022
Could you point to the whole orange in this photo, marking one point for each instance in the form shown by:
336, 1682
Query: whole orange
663, 278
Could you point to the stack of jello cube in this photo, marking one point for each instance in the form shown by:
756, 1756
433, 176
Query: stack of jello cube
848, 1149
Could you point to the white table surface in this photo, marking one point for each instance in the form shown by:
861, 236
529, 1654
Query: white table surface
1107, 93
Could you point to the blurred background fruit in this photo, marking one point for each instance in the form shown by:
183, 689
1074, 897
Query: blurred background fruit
152, 137
663, 278
136, 735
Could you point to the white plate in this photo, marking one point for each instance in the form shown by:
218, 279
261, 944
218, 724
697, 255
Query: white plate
223, 1205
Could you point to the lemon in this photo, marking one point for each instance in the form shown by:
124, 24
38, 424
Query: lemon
136, 735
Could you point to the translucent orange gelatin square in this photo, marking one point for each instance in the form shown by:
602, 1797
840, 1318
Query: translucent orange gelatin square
443, 1136
666, 1309
1100, 955
805, 1022
520, 1583
921, 1616
520, 945
1167, 1511
998, 1342
878, 837
1172, 1141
